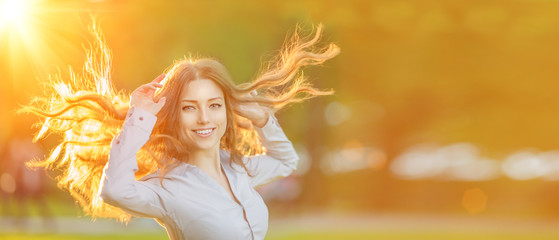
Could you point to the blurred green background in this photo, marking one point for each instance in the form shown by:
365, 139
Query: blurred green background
444, 125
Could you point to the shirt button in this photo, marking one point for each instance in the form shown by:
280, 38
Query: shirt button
118, 142
141, 118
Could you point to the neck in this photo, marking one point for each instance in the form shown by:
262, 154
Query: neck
207, 160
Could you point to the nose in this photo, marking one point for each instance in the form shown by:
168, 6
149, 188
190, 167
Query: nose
203, 117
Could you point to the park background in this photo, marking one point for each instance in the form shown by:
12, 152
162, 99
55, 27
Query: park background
444, 124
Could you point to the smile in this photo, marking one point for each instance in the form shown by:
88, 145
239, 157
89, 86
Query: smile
204, 132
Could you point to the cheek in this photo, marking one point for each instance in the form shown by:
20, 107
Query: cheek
187, 120
221, 120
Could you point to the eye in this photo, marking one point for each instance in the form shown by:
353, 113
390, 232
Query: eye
215, 105
188, 107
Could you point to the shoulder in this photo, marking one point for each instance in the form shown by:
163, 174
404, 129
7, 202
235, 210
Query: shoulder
225, 157
156, 176
153, 180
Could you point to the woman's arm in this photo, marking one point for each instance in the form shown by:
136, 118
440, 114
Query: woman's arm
118, 184
280, 159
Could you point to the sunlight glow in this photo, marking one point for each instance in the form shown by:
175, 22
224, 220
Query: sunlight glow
13, 11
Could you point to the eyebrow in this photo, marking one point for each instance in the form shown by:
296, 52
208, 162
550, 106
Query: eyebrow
211, 99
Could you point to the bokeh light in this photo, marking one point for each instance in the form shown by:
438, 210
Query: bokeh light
474, 200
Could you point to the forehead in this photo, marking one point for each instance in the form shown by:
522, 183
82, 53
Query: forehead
201, 89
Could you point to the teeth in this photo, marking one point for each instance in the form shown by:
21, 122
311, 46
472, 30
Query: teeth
204, 131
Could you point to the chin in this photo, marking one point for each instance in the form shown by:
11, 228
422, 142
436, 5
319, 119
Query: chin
206, 147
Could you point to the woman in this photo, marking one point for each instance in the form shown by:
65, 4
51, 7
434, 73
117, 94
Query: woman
186, 149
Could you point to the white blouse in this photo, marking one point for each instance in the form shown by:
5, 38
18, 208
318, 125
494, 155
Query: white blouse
191, 204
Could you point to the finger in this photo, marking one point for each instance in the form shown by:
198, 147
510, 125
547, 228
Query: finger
146, 90
150, 86
150, 93
155, 84
239, 109
243, 123
145, 86
159, 78
244, 113
162, 101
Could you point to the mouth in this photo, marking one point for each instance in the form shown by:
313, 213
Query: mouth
206, 132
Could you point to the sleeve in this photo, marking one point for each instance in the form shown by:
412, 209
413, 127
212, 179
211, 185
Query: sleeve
280, 159
118, 185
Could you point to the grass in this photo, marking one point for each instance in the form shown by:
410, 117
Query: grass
412, 236
80, 237
398, 229
326, 235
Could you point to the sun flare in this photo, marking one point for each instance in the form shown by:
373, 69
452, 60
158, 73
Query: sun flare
13, 11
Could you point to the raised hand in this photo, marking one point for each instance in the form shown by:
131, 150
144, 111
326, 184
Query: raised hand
142, 97
257, 114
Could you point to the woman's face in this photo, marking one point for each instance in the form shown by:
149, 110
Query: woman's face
203, 115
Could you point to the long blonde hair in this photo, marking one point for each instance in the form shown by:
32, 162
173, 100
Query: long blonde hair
88, 113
